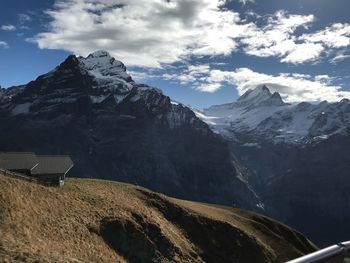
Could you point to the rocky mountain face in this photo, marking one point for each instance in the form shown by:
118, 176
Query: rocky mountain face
296, 157
114, 128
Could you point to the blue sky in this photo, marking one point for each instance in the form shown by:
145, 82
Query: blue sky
199, 52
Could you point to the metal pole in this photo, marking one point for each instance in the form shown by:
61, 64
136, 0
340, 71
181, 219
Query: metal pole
341, 249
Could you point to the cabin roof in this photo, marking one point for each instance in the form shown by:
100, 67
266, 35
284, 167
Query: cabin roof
18, 160
52, 164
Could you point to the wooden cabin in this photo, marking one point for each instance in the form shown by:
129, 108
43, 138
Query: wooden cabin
52, 169
47, 169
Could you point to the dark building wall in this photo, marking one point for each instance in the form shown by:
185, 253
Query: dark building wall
50, 179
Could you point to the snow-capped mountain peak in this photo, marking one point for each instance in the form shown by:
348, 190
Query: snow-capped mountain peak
106, 70
100, 53
261, 91
260, 96
103, 62
265, 116
98, 78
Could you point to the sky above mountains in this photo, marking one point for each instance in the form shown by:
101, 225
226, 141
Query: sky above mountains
199, 52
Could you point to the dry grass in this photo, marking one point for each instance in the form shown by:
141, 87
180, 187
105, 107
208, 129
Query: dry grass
101, 221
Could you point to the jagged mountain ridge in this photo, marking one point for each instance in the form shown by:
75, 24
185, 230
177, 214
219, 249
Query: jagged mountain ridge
259, 114
114, 128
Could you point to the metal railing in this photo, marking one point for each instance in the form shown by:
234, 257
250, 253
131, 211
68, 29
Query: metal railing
335, 253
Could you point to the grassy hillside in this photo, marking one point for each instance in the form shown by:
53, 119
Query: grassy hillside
102, 221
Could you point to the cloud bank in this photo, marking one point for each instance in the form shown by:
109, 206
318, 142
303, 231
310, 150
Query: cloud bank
142, 33
149, 33
292, 87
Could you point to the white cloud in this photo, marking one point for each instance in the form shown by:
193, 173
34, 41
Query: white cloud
244, 2
143, 32
293, 87
3, 44
277, 38
209, 87
24, 18
140, 76
182, 78
323, 78
329, 41
339, 56
303, 53
334, 36
198, 70
156, 33
8, 27
192, 74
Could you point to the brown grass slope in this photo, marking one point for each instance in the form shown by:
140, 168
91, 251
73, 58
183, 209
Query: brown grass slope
101, 221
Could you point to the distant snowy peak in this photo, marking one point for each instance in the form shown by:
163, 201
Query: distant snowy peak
265, 116
252, 99
262, 92
260, 96
107, 71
